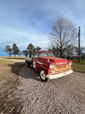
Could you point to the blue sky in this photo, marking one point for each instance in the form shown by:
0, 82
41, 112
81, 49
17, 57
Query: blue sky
26, 21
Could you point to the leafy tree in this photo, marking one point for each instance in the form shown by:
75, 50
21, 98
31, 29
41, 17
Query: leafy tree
8, 49
63, 36
25, 52
30, 49
38, 48
20, 53
15, 49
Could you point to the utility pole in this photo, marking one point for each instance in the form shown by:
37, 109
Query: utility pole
79, 53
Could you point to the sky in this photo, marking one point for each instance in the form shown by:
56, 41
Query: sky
30, 21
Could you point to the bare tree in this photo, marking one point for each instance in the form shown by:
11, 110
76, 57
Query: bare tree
63, 35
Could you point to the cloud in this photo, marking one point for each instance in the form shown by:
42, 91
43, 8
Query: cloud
26, 21
23, 38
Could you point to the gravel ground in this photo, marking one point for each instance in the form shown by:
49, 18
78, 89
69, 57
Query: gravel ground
65, 95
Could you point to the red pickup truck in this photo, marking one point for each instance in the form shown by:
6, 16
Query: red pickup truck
48, 66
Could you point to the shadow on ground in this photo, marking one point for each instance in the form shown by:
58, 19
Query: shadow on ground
19, 69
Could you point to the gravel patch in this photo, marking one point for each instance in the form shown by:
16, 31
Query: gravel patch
65, 95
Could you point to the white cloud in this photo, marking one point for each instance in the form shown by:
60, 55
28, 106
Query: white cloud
23, 38
28, 21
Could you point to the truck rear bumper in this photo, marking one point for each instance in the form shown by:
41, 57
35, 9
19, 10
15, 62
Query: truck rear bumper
59, 75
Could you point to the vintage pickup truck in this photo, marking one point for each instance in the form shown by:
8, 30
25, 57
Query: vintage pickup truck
48, 66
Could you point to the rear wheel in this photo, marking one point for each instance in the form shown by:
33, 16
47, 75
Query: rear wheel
27, 63
43, 76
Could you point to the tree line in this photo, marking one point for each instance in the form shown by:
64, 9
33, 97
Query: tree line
14, 50
63, 41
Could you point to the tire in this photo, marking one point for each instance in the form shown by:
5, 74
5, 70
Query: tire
43, 76
26, 64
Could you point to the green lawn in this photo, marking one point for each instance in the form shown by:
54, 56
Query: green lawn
79, 66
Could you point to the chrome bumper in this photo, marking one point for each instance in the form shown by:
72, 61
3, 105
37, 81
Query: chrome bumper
59, 75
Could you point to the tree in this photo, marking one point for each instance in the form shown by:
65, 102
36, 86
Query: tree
30, 49
25, 52
63, 36
15, 49
54, 50
38, 48
81, 50
8, 49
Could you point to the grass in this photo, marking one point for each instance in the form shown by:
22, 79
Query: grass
79, 66
20, 58
5, 62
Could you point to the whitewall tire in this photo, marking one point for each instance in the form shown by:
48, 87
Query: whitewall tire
43, 75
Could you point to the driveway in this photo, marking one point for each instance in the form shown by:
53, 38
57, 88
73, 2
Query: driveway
65, 95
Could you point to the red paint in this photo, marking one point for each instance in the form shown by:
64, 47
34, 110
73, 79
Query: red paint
45, 61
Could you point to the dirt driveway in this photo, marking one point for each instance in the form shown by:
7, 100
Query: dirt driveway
65, 95
22, 92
